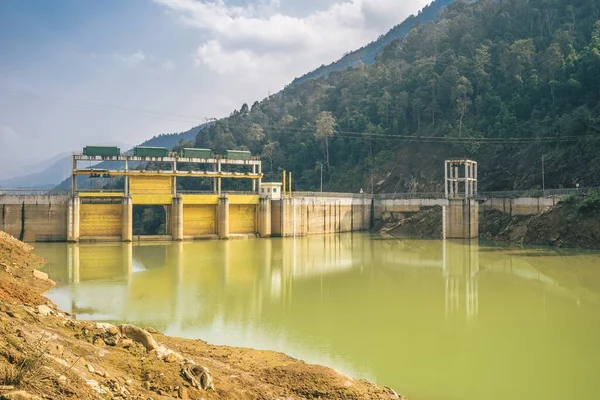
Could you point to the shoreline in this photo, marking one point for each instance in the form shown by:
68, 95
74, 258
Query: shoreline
47, 354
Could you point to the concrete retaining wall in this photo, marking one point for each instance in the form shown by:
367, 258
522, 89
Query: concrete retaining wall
35, 218
312, 215
520, 206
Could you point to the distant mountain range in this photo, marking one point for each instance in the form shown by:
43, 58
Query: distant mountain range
368, 53
56, 169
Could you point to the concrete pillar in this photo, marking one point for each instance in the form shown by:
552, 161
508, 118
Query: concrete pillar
287, 217
177, 218
73, 177
254, 180
223, 217
73, 226
214, 181
219, 180
127, 220
264, 218
276, 218
461, 219
456, 176
259, 179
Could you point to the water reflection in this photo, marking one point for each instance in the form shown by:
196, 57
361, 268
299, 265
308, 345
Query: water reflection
401, 312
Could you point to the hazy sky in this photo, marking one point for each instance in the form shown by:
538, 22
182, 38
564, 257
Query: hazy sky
77, 72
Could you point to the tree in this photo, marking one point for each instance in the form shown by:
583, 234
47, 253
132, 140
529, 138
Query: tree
462, 94
269, 150
325, 127
256, 133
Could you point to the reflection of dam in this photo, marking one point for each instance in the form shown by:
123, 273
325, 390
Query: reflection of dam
180, 281
163, 277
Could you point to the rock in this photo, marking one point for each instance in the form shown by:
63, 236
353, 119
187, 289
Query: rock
113, 330
40, 275
43, 309
112, 340
168, 355
62, 380
198, 376
15, 315
104, 326
90, 368
172, 357
103, 374
19, 395
98, 341
139, 335
128, 382
126, 343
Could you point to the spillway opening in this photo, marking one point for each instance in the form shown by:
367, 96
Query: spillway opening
149, 220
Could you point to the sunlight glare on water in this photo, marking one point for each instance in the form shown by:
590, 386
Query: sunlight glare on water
431, 319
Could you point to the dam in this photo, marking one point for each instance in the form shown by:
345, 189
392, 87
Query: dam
105, 215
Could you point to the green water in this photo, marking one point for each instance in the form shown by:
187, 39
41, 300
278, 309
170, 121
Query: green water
432, 320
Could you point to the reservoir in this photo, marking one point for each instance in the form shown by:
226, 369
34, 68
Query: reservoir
430, 319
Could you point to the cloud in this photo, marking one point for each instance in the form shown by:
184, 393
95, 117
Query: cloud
8, 136
242, 40
131, 59
168, 65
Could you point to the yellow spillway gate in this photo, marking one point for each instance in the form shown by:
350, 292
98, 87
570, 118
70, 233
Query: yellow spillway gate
199, 219
151, 190
100, 220
242, 218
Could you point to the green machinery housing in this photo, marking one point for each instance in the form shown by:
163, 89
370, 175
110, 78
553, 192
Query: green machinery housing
238, 155
148, 151
102, 151
197, 153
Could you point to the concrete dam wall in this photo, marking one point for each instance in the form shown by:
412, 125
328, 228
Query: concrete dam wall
319, 215
35, 218
60, 218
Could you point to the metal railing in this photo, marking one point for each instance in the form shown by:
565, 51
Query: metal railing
34, 192
510, 194
408, 196
332, 194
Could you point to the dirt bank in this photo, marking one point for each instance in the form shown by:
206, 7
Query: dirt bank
424, 224
565, 225
573, 223
45, 353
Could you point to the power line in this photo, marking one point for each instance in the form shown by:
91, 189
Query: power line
441, 139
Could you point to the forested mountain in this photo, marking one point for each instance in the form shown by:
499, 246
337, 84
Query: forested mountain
368, 53
502, 82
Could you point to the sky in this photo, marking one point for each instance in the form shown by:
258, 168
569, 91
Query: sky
83, 72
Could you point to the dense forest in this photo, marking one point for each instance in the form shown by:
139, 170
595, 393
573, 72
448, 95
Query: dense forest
506, 83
